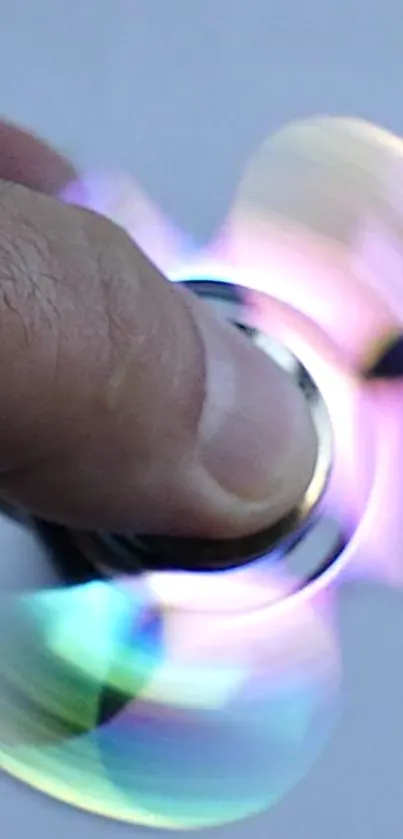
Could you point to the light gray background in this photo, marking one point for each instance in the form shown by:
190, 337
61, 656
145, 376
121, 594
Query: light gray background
180, 92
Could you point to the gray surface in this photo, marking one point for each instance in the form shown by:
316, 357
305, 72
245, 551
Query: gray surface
180, 91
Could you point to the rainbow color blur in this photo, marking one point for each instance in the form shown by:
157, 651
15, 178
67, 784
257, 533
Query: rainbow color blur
180, 700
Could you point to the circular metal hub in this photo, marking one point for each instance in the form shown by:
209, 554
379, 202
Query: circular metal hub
305, 542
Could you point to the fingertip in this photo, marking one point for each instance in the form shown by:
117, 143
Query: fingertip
257, 443
28, 160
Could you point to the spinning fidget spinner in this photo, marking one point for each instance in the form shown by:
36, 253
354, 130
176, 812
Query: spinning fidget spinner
188, 683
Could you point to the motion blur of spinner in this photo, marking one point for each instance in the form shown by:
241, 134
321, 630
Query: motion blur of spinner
184, 699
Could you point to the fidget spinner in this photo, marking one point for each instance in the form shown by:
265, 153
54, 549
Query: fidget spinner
183, 683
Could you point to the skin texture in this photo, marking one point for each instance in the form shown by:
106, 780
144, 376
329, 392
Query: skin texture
125, 403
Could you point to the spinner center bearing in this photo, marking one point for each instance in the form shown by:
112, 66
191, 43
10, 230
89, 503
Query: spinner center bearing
306, 542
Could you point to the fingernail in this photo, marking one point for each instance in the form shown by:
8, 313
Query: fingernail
256, 434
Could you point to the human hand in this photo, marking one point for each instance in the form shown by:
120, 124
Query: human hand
126, 404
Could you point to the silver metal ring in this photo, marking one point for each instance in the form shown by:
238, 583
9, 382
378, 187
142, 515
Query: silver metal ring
306, 540
305, 544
